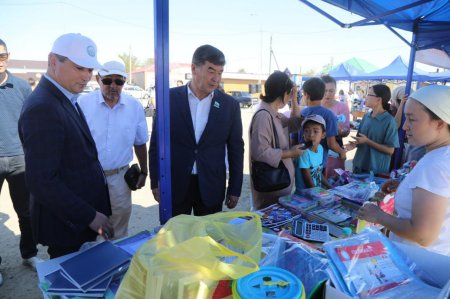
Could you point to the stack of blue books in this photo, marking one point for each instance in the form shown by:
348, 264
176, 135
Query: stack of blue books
88, 273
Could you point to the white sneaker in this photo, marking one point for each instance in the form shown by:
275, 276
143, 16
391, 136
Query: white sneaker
32, 261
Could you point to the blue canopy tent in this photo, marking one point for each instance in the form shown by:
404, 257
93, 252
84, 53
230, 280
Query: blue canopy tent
443, 77
396, 70
428, 20
344, 72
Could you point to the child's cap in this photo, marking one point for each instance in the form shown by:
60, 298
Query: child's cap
315, 118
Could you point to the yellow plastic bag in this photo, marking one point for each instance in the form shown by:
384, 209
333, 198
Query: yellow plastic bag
191, 254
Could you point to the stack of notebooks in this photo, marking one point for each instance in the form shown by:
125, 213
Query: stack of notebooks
355, 193
276, 216
322, 196
88, 273
368, 265
298, 203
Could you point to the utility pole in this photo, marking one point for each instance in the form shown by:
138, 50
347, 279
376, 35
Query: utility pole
129, 63
272, 53
260, 56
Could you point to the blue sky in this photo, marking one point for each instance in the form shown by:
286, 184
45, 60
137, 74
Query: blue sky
302, 39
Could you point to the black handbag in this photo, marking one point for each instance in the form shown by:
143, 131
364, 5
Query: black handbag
131, 176
266, 178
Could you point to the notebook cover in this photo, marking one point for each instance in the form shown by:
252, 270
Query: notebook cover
94, 263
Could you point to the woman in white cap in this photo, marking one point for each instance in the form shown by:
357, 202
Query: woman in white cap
422, 200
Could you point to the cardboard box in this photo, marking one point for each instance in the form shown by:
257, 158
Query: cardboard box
435, 268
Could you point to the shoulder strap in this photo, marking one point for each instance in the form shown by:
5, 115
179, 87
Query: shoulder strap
275, 135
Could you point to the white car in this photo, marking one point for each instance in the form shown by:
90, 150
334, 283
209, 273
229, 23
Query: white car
134, 91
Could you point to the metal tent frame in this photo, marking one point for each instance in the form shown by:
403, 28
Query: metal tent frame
428, 20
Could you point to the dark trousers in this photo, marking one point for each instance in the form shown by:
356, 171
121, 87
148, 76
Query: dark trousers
56, 251
13, 170
193, 201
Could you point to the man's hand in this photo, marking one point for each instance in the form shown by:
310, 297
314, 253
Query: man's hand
101, 225
156, 194
231, 201
141, 181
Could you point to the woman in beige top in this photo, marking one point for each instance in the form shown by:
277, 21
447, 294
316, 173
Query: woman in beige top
279, 89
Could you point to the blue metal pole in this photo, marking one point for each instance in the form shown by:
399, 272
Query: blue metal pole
409, 77
161, 25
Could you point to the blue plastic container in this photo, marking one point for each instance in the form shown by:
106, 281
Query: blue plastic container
269, 282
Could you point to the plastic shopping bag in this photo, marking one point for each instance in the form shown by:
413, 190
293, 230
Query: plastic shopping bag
190, 254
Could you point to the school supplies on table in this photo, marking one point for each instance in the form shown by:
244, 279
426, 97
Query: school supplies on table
94, 264
368, 265
335, 214
322, 196
297, 202
87, 273
310, 231
356, 191
276, 215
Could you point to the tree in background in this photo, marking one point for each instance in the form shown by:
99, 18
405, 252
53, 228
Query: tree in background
127, 60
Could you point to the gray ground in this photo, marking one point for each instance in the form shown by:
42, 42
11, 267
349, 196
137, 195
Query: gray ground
21, 281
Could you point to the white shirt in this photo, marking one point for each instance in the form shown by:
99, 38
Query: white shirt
199, 113
431, 173
115, 130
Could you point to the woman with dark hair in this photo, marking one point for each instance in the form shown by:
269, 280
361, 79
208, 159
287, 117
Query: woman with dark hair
279, 89
422, 200
377, 136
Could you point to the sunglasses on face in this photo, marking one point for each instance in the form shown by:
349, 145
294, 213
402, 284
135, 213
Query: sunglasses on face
109, 81
4, 56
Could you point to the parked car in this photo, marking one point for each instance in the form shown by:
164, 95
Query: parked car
134, 91
243, 97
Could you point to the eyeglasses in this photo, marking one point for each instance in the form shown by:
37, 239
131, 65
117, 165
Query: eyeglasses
4, 56
109, 81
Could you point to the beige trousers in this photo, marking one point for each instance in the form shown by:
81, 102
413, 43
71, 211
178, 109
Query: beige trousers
120, 196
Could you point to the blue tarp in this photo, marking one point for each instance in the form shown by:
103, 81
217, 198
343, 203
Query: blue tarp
428, 19
396, 70
344, 72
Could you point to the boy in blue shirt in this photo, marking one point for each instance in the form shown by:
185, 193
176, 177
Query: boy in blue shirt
309, 173
313, 92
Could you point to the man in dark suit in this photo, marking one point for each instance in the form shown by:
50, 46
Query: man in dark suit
204, 123
69, 197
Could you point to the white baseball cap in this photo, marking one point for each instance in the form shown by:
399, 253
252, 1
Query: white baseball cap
113, 68
436, 98
78, 48
315, 118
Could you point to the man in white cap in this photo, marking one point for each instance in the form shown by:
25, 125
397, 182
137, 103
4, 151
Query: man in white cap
117, 123
69, 196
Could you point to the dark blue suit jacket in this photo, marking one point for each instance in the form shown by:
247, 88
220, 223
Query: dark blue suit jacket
62, 170
224, 129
